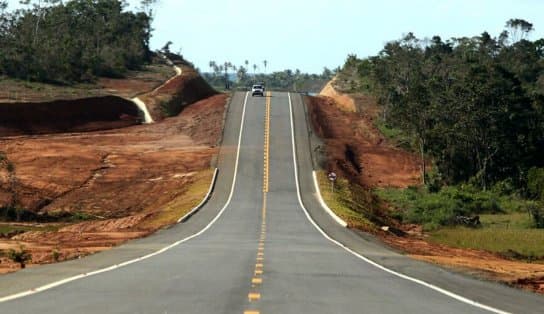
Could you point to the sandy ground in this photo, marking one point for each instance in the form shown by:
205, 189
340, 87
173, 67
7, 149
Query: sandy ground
119, 178
355, 149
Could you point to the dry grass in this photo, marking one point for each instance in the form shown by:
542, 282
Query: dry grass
180, 206
339, 202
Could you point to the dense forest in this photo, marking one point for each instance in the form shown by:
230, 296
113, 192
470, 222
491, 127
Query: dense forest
243, 77
474, 106
71, 41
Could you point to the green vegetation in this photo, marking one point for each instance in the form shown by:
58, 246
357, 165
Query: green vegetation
473, 105
73, 41
355, 205
13, 213
434, 210
20, 256
241, 78
55, 254
8, 228
507, 234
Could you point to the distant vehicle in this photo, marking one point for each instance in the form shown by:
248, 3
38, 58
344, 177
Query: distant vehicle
257, 89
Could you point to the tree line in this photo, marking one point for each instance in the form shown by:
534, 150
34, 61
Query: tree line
71, 41
227, 74
474, 106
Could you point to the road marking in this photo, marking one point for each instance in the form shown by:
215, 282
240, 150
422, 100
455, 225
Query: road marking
266, 142
367, 260
257, 280
164, 249
254, 296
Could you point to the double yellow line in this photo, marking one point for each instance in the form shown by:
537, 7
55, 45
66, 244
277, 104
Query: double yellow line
257, 279
266, 142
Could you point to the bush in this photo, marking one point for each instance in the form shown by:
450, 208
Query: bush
535, 182
20, 256
433, 210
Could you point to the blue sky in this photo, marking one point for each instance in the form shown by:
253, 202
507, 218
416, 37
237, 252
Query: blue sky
311, 34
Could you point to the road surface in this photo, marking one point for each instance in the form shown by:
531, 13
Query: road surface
262, 244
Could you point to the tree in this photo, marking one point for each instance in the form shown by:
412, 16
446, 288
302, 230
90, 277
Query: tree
265, 63
519, 29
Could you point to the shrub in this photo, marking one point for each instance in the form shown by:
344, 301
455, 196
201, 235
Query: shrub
20, 256
537, 214
535, 182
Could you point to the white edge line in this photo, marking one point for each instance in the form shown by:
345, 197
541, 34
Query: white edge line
164, 249
339, 220
367, 260
203, 201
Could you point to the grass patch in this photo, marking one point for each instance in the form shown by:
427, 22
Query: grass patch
353, 204
180, 206
526, 244
506, 227
433, 210
397, 136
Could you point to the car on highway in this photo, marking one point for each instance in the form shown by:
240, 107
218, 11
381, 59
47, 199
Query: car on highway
257, 89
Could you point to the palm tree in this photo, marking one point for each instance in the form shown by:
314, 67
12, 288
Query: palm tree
265, 64
247, 64
254, 69
212, 65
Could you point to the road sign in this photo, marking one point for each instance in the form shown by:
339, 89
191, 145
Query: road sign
332, 176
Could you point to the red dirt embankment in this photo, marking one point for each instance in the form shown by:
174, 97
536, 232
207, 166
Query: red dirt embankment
356, 149
79, 115
129, 181
181, 90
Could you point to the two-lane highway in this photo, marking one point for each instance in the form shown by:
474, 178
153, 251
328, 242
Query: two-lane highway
255, 248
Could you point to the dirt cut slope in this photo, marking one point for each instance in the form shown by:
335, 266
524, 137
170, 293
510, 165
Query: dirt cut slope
88, 114
356, 149
179, 92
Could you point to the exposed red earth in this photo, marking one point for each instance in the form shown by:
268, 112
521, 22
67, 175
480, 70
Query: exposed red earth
356, 150
121, 182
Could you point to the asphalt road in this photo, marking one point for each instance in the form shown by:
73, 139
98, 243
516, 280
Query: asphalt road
258, 246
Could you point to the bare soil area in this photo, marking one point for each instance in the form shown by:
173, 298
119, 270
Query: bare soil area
116, 184
356, 150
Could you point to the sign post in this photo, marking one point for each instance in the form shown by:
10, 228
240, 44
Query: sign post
332, 177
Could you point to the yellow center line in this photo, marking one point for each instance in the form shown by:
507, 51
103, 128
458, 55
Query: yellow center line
266, 142
254, 296
258, 272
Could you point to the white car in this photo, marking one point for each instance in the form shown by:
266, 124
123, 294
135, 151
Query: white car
257, 89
